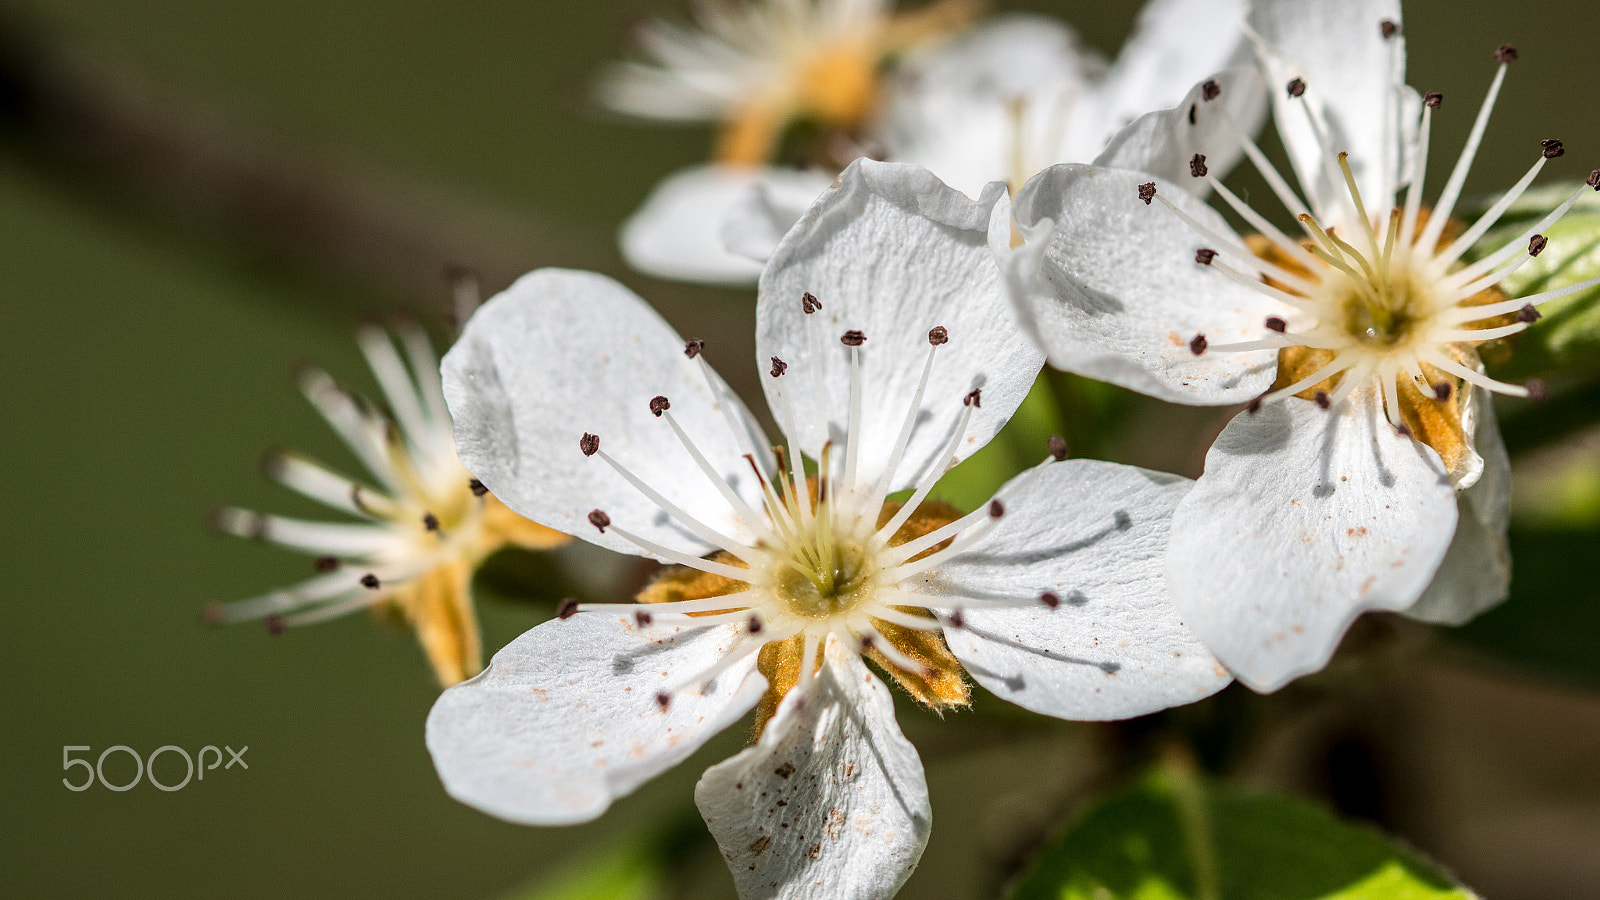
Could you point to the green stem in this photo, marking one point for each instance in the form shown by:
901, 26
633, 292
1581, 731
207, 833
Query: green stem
1194, 819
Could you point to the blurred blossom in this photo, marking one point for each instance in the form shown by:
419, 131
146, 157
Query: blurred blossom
892, 358
1374, 462
998, 103
425, 526
755, 66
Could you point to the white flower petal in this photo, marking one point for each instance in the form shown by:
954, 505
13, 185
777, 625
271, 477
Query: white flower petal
760, 218
1354, 79
830, 803
1094, 534
1476, 572
1303, 520
1175, 44
1111, 289
954, 108
566, 720
677, 232
892, 252
1162, 143
561, 353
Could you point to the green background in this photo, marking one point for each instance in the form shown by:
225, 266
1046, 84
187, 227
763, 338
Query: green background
144, 368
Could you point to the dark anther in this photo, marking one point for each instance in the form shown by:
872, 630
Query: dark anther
1433, 99
1403, 430
1528, 314
852, 338
956, 619
477, 488
1388, 28
643, 619
659, 405
938, 334
973, 399
693, 348
1191, 113
1322, 400
1442, 391
369, 581
326, 563
1505, 53
1593, 180
1198, 344
1204, 256
1254, 406
1050, 599
589, 444
1197, 165
866, 644
1537, 392
996, 509
1147, 192
778, 367
1296, 87
1552, 148
1210, 90
274, 625
754, 626
1536, 244
430, 521
211, 615
599, 519
1276, 324
809, 303
1058, 447
663, 700
567, 608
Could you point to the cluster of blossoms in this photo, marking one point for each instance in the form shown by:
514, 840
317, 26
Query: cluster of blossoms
999, 102
900, 322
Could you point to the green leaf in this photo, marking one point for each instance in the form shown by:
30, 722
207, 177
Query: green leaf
1144, 844
630, 870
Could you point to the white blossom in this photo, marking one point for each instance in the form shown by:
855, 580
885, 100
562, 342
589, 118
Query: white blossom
1342, 488
888, 356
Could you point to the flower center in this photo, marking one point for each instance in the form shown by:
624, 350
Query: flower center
839, 586
1385, 317
839, 83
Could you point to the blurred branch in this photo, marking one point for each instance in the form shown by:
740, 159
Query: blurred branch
73, 107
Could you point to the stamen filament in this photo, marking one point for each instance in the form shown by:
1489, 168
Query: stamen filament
675, 607
705, 532
890, 652
1458, 176
1486, 221
750, 517
1339, 364
1518, 244
936, 469
733, 573
905, 619
1491, 310
1408, 227
853, 428
881, 490
1440, 361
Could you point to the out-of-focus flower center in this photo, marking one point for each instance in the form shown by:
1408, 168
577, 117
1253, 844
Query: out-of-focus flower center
839, 84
